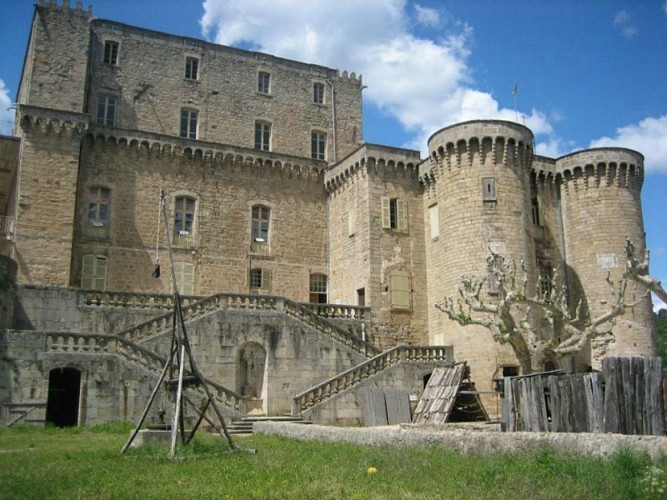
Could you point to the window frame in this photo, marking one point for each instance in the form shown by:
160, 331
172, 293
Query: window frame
318, 145
111, 52
489, 189
264, 82
107, 105
318, 93
91, 280
184, 230
434, 221
260, 227
318, 288
186, 124
190, 73
395, 214
96, 200
263, 133
259, 281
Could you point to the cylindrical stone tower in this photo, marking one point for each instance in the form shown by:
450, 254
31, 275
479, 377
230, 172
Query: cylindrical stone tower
601, 207
478, 189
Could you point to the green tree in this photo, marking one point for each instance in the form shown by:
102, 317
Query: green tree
661, 337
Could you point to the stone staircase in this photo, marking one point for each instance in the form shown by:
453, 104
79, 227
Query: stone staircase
244, 426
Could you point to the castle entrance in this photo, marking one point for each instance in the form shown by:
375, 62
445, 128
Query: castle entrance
250, 366
62, 404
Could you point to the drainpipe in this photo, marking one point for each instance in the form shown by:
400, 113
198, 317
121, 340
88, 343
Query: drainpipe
333, 117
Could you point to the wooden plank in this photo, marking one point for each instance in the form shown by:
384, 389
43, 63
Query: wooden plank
612, 414
439, 395
398, 406
374, 407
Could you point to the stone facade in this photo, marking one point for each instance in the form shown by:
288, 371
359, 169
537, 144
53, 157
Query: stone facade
269, 189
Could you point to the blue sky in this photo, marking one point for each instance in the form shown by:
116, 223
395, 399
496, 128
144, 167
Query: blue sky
589, 73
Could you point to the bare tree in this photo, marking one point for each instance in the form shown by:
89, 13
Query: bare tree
638, 271
516, 315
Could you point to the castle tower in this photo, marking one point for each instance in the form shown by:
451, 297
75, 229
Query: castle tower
601, 207
477, 201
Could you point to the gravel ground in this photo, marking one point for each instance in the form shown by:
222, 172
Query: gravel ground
483, 439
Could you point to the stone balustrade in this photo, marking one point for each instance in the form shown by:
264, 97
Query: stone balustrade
349, 378
131, 300
337, 311
109, 344
79, 342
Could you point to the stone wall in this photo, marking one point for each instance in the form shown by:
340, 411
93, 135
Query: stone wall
150, 87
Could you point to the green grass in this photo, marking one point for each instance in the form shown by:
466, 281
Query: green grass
86, 463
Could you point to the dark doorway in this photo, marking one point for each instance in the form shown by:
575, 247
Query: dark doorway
62, 405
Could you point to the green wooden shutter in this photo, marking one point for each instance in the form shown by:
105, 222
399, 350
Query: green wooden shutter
402, 215
185, 277
93, 272
400, 289
386, 216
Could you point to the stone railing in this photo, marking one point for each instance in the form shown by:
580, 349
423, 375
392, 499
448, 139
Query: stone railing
131, 300
302, 312
337, 311
71, 343
349, 378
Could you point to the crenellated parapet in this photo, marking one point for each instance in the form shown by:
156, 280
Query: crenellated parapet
372, 158
52, 122
600, 168
65, 7
162, 147
487, 143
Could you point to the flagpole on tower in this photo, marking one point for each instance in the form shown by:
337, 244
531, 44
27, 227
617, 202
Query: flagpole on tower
515, 92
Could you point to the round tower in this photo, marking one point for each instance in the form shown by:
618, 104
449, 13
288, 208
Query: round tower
478, 187
601, 207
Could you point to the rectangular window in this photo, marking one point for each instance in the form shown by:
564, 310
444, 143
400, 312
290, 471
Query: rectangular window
263, 136
98, 206
264, 82
351, 222
394, 214
318, 145
93, 272
534, 206
545, 279
191, 68
184, 219
260, 281
260, 227
111, 52
185, 277
318, 93
434, 219
318, 289
400, 290
188, 124
106, 111
489, 189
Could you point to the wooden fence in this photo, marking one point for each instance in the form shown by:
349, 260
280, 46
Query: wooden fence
626, 398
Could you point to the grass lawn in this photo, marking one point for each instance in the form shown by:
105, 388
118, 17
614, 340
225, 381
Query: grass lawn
86, 463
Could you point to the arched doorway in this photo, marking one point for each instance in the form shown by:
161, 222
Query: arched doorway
250, 364
62, 405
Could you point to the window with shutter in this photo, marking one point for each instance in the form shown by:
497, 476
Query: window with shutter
93, 272
400, 289
185, 277
489, 189
394, 214
351, 223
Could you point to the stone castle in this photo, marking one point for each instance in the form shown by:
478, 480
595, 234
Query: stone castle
301, 250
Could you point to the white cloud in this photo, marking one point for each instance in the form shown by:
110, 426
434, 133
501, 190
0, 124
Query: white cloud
6, 114
424, 83
622, 20
649, 137
657, 304
426, 16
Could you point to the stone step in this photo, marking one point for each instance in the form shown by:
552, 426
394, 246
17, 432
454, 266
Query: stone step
244, 425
